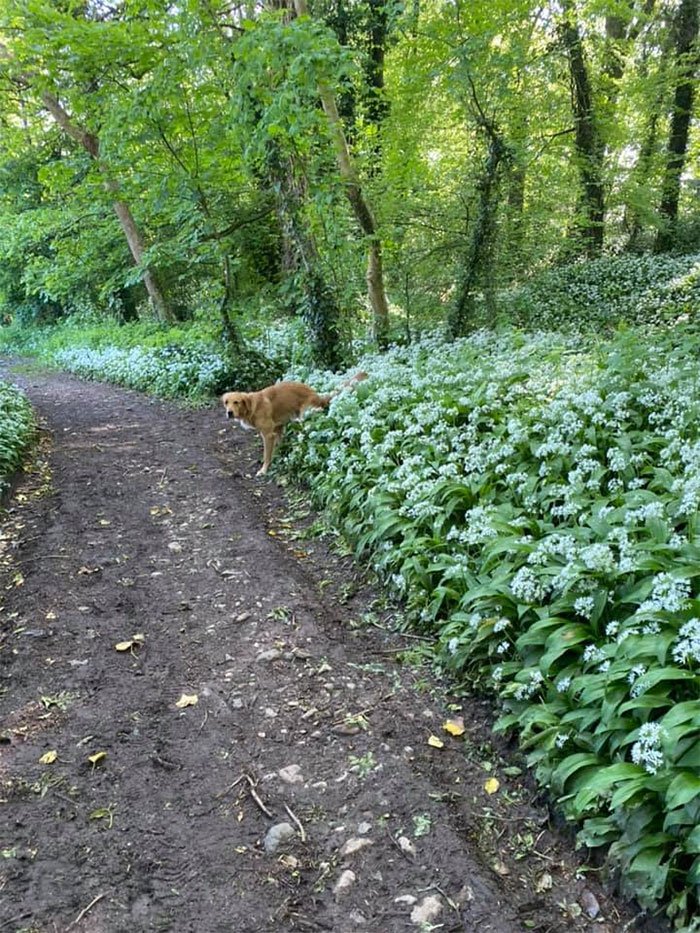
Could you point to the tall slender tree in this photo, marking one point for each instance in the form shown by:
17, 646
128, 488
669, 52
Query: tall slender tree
687, 58
589, 228
360, 206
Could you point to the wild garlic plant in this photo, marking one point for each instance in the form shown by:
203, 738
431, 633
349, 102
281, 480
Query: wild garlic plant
534, 500
16, 429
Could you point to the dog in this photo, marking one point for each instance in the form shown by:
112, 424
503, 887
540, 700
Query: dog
270, 409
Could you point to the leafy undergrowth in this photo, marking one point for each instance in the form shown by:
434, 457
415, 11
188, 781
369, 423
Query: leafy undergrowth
602, 294
171, 362
16, 431
535, 502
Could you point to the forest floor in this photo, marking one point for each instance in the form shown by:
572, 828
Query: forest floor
301, 791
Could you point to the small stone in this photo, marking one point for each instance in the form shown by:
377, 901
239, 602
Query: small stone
237, 703
406, 846
364, 828
427, 911
344, 883
272, 654
408, 899
291, 774
590, 904
175, 546
358, 919
353, 846
270, 713
277, 835
242, 616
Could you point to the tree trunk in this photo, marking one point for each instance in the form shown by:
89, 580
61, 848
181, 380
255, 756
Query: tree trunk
589, 149
131, 231
319, 308
686, 29
477, 268
632, 220
361, 209
377, 106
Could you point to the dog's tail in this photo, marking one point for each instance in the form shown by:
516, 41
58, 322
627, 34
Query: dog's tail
350, 383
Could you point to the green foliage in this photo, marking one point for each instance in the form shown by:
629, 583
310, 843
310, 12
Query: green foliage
600, 295
170, 362
16, 431
534, 500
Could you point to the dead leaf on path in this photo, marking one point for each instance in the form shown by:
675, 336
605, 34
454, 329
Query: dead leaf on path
500, 868
435, 742
187, 700
86, 570
104, 521
49, 757
454, 726
50, 615
133, 642
544, 883
97, 758
492, 785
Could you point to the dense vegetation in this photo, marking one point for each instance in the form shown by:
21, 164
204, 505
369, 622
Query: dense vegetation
490, 207
16, 431
535, 501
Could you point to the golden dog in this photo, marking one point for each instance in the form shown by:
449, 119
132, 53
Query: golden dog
270, 409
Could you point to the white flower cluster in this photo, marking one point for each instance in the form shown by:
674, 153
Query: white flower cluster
646, 750
668, 594
686, 649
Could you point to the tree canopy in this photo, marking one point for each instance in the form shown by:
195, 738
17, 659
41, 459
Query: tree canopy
337, 160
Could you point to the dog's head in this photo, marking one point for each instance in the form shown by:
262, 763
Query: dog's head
236, 404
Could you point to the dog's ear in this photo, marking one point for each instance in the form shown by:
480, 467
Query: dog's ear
244, 402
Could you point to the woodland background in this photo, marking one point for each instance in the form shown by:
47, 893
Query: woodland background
355, 163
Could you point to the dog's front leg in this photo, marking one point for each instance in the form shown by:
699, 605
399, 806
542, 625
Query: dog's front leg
269, 445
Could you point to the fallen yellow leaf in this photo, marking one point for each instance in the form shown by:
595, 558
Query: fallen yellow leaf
49, 757
96, 758
186, 700
492, 785
436, 742
138, 639
454, 726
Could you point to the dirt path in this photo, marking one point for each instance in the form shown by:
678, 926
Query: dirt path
154, 524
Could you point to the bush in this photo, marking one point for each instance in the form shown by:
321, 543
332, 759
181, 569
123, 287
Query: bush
534, 499
16, 430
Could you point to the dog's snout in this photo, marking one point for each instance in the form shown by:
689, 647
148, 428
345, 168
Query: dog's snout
229, 413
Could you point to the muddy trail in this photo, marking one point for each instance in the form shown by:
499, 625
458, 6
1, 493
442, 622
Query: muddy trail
258, 756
